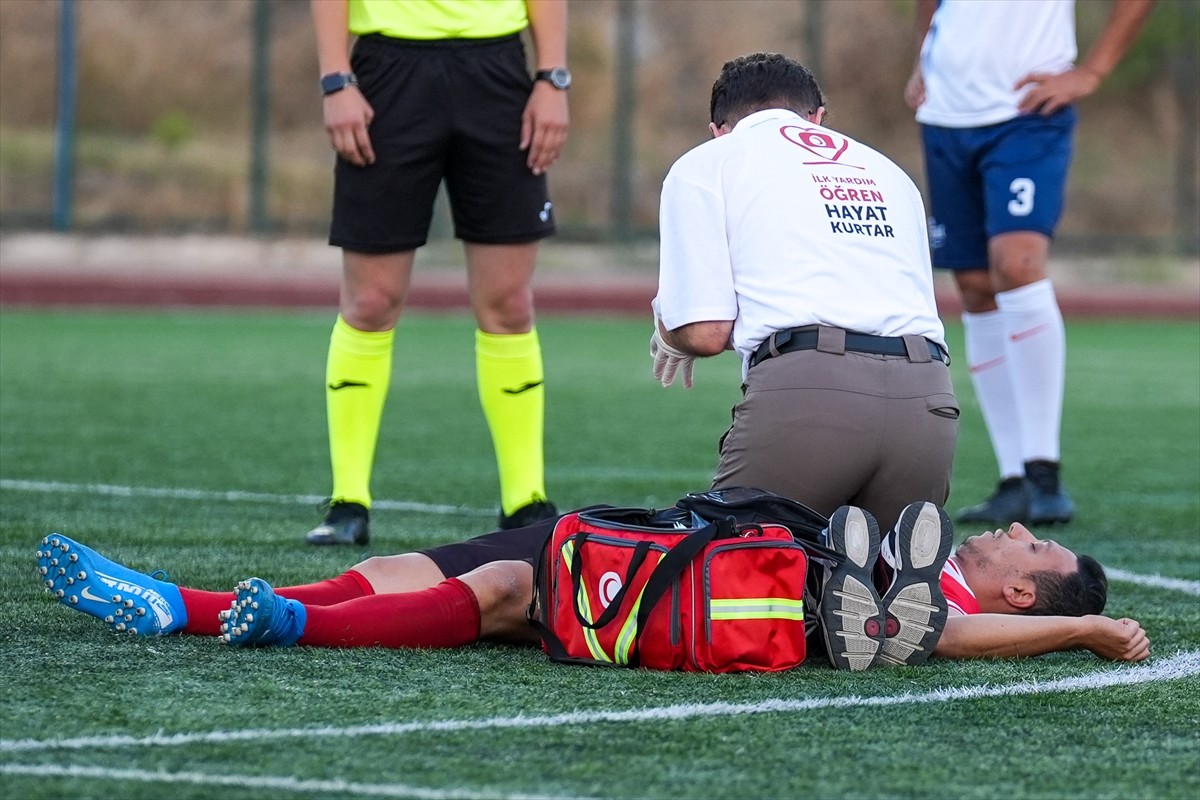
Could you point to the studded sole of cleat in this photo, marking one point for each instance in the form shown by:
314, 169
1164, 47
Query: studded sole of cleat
249, 617
70, 574
70, 578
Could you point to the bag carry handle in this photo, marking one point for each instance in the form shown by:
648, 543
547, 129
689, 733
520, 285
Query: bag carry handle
665, 573
614, 605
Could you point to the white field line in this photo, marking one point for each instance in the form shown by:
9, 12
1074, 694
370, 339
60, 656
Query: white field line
55, 487
1154, 581
1180, 665
323, 787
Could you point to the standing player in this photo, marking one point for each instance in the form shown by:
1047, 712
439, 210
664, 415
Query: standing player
439, 91
807, 253
993, 90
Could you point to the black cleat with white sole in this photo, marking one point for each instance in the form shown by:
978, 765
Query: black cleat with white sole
850, 611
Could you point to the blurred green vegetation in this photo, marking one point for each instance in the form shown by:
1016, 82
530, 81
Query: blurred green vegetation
145, 86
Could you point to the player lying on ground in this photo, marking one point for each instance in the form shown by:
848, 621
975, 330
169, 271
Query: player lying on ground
1001, 594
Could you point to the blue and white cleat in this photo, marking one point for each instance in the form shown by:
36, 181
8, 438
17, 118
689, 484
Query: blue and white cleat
128, 601
258, 617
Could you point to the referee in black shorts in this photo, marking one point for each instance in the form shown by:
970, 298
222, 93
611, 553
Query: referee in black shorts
436, 92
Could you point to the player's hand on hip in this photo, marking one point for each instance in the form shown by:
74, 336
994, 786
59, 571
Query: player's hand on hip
1053, 91
544, 126
668, 361
914, 91
347, 117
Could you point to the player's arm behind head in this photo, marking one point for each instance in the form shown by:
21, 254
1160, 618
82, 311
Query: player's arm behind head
1017, 635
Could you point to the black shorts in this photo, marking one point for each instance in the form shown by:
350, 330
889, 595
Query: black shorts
517, 544
445, 109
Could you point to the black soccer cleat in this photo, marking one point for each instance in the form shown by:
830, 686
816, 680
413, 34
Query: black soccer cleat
1008, 504
914, 603
1049, 503
345, 523
850, 612
528, 514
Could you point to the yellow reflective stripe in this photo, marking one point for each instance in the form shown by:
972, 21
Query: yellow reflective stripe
624, 644
756, 608
585, 608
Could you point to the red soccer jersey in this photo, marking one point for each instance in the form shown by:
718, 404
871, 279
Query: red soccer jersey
959, 596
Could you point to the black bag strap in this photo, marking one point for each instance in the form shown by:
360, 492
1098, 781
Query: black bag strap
614, 605
670, 568
746, 504
665, 573
539, 606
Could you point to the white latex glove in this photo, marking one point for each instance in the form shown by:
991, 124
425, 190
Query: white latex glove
668, 361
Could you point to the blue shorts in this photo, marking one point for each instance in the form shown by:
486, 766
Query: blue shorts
1001, 178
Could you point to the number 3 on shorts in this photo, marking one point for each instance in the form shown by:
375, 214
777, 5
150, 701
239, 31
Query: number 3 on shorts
1022, 203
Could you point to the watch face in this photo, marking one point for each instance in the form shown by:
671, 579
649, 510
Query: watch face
336, 81
559, 77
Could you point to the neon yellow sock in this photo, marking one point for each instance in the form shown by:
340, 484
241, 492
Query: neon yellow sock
508, 370
356, 384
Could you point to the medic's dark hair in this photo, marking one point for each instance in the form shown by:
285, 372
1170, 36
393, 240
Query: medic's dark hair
758, 81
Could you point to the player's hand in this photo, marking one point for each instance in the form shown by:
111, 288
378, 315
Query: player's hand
914, 91
1118, 639
347, 116
668, 361
1052, 91
544, 126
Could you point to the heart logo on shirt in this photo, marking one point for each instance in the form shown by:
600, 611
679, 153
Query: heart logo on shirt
821, 143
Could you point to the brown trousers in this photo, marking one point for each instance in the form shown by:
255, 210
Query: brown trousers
831, 429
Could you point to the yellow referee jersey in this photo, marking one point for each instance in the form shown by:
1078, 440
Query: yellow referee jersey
438, 19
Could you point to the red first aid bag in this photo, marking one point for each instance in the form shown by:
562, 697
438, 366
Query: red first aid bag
670, 590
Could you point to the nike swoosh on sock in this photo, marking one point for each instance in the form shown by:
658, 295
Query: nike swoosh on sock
524, 388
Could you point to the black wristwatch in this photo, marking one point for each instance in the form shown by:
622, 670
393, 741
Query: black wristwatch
336, 81
559, 77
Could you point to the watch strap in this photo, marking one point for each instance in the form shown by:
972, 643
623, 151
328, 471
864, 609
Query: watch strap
558, 77
336, 81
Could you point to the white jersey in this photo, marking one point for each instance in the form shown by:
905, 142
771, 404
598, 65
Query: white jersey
977, 50
783, 223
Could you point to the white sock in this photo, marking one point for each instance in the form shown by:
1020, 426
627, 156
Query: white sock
987, 360
1037, 355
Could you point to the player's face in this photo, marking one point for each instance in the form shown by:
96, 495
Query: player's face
1018, 550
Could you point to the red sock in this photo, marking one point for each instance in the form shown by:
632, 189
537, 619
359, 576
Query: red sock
347, 586
446, 615
203, 607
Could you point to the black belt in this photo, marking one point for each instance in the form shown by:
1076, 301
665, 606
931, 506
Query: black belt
807, 339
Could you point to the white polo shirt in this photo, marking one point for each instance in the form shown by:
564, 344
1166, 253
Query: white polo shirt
977, 50
783, 223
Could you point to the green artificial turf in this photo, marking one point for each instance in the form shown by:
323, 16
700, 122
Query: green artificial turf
195, 442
